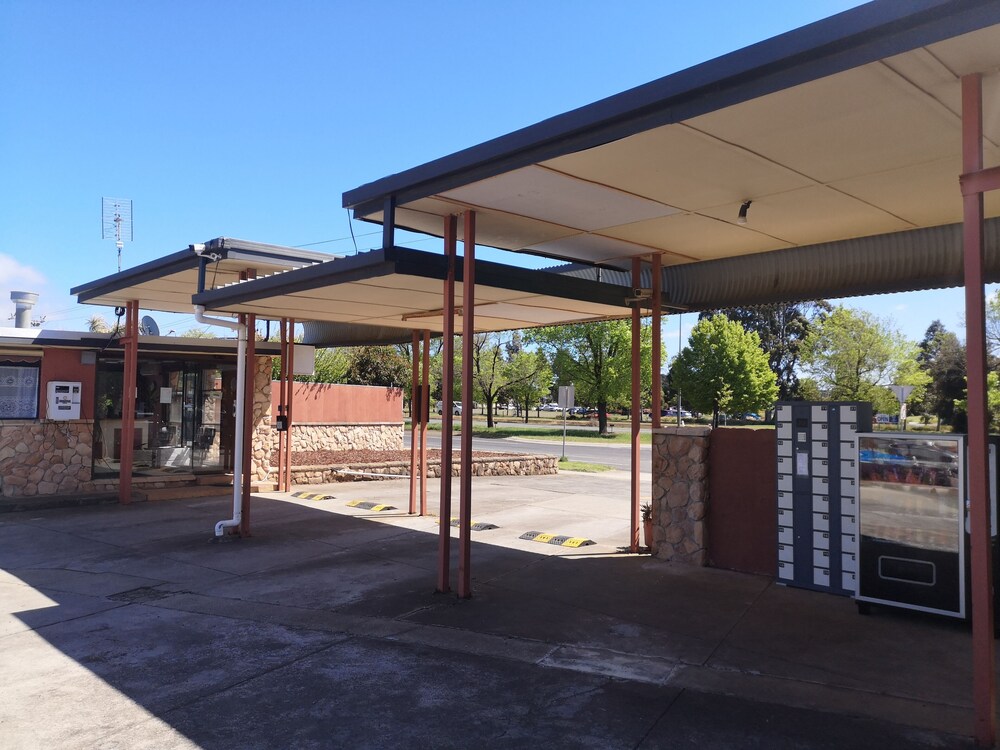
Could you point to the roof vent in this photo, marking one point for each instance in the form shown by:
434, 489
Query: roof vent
23, 303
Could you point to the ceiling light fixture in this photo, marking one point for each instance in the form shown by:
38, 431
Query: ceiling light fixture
742, 218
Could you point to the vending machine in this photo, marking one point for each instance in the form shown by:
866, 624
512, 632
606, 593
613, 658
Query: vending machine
912, 522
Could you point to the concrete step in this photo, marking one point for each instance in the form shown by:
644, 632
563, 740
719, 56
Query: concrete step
183, 492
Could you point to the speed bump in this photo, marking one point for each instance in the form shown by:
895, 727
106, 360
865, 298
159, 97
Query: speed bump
313, 496
562, 541
369, 505
475, 525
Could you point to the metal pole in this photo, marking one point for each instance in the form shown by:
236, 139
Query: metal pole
281, 406
291, 401
424, 418
447, 419
414, 417
983, 646
636, 408
465, 480
130, 345
657, 405
248, 401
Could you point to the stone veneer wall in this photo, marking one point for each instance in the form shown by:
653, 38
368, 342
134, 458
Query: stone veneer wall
45, 458
263, 438
482, 466
379, 436
680, 494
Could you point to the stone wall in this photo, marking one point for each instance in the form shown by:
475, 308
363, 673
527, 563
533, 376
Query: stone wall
263, 438
680, 494
45, 458
345, 437
482, 466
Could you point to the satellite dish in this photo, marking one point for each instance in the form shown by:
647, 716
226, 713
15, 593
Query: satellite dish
148, 327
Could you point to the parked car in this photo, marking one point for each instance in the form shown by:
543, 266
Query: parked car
456, 407
752, 417
549, 407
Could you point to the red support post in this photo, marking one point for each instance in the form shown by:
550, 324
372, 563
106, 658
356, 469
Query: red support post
447, 395
281, 407
130, 345
424, 418
657, 284
465, 474
414, 418
249, 391
636, 407
983, 646
289, 404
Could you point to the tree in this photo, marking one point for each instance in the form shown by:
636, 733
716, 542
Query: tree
377, 365
942, 357
529, 379
854, 355
97, 324
724, 368
782, 329
597, 359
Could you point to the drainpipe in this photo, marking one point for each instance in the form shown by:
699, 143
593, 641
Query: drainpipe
241, 366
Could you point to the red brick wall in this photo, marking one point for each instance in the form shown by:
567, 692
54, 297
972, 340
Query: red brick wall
64, 364
742, 507
325, 403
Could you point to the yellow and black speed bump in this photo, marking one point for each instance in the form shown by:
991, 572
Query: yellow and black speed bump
475, 525
562, 541
369, 505
313, 496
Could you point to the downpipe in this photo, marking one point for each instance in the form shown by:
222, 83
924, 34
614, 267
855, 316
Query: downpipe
241, 368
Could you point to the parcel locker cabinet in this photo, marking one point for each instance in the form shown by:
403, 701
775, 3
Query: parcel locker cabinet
817, 492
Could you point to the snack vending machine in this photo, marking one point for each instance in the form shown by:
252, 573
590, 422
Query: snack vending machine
912, 550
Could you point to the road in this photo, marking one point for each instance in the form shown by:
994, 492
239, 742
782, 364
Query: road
615, 455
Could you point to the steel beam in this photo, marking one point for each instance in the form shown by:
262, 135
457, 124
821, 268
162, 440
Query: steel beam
465, 472
283, 365
636, 407
447, 420
983, 646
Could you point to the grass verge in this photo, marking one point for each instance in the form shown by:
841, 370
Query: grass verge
583, 466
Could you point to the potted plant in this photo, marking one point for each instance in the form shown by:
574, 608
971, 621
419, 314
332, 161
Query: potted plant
646, 513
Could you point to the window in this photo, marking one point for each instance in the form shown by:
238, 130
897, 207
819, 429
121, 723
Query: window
18, 390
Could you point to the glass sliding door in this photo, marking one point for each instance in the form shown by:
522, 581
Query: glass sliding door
184, 417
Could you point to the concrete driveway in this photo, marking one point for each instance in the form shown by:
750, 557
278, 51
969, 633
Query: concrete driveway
125, 627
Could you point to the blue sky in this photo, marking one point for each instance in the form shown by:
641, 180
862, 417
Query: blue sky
250, 119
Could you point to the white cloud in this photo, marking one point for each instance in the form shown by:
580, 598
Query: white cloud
16, 275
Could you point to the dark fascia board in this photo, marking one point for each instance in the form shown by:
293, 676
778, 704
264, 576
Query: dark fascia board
408, 262
186, 260
847, 40
182, 260
106, 342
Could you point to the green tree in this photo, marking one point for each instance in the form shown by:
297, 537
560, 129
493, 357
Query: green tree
377, 365
597, 359
854, 355
942, 357
98, 324
723, 368
782, 329
529, 379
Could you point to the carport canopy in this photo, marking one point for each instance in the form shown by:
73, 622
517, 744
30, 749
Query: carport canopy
401, 289
847, 128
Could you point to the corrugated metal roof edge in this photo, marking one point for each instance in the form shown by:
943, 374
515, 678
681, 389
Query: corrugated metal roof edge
914, 260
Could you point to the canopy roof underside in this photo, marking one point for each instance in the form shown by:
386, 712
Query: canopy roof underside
847, 128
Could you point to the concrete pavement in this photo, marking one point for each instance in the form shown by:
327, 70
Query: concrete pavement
124, 627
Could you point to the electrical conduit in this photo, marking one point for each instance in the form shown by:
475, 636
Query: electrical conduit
241, 366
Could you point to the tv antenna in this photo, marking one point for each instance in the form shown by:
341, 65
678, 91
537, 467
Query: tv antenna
116, 222
148, 327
